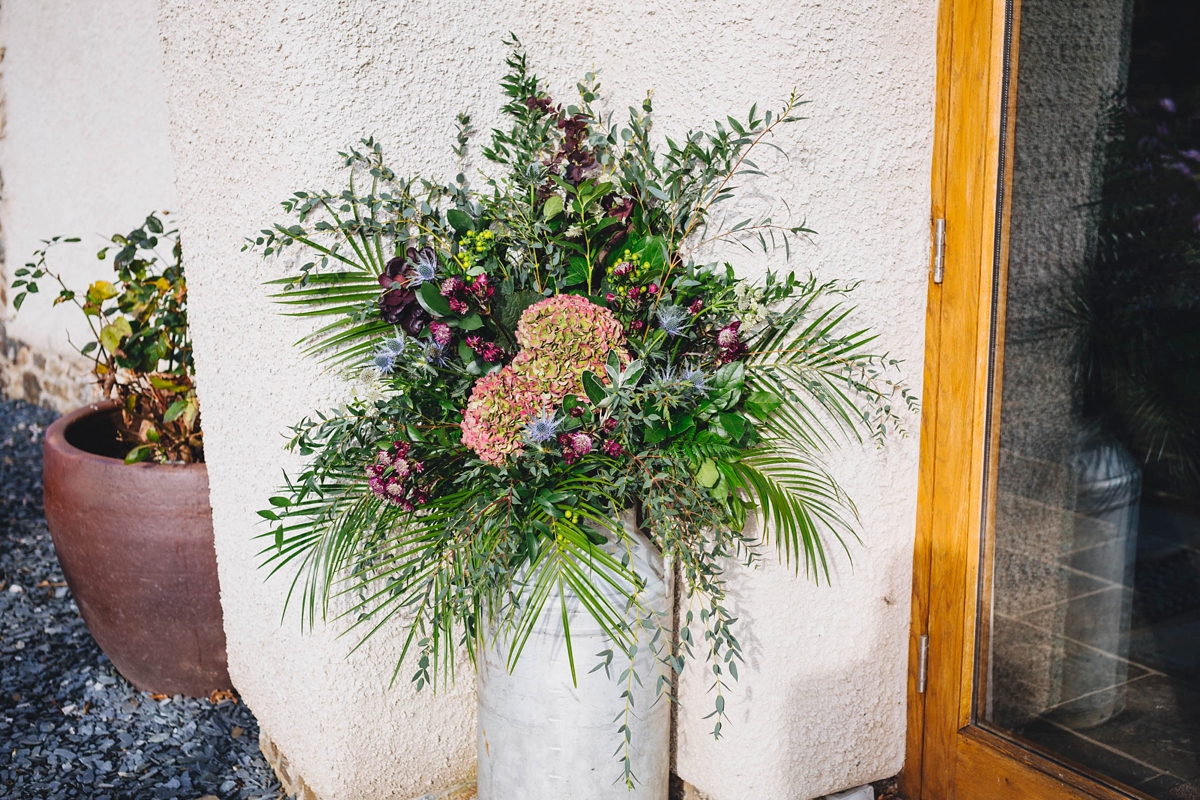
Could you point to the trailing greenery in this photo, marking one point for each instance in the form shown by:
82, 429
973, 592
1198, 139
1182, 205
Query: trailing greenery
141, 351
539, 354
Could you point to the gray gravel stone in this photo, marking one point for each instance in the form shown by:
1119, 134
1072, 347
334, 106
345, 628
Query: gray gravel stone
70, 726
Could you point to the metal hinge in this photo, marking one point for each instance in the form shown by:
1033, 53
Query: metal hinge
922, 662
939, 253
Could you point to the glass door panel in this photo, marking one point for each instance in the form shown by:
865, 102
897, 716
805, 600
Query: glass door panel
1091, 651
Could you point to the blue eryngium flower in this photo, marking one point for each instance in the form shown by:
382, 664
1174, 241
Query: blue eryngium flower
672, 319
383, 362
696, 377
433, 353
395, 346
426, 268
541, 428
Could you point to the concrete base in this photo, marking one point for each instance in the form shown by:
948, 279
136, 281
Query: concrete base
865, 792
295, 786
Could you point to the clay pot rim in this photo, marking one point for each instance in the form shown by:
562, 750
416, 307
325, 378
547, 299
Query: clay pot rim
56, 437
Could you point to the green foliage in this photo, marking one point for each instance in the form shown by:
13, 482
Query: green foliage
140, 350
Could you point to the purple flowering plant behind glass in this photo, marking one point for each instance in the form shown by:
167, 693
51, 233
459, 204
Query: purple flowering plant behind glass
550, 349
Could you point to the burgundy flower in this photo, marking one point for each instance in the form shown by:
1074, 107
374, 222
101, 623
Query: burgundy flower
398, 304
728, 336
620, 209
696, 307
613, 449
610, 297
574, 446
637, 325
391, 477
455, 291
573, 150
609, 425
543, 104
481, 289
459, 292
634, 292
728, 339
488, 351
652, 288
622, 269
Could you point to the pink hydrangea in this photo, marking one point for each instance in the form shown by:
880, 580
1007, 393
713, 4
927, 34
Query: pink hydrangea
561, 337
566, 323
496, 412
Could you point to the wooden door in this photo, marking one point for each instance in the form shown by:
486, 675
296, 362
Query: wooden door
953, 750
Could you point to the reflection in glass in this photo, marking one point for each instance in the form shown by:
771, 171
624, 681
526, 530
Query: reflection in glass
1095, 605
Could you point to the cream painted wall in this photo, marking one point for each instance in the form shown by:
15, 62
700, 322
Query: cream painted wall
84, 152
261, 96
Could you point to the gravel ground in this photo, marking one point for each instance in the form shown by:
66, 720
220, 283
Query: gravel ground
70, 726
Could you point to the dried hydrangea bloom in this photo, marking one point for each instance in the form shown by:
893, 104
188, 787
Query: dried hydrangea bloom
561, 338
566, 321
495, 417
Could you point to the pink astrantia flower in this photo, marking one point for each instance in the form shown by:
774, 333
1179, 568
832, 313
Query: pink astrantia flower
561, 337
392, 476
574, 446
440, 332
730, 342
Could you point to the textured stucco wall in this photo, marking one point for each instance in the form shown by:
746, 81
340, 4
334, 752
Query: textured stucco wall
83, 152
262, 95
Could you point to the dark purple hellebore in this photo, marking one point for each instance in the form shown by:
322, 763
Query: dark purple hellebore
398, 304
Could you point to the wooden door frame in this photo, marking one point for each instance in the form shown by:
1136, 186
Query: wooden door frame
948, 757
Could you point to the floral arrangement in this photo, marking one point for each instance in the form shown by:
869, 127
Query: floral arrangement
141, 351
540, 354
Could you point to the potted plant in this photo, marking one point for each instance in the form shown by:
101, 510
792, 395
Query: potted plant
126, 490
561, 411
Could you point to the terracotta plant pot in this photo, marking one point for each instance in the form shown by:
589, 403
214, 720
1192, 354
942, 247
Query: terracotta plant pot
136, 546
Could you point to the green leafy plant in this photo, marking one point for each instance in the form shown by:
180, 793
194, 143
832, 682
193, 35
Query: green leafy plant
140, 349
541, 354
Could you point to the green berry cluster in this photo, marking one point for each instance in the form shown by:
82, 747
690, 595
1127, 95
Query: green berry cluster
473, 247
630, 271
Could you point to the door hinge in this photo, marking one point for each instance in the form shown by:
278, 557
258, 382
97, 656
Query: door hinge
922, 662
939, 252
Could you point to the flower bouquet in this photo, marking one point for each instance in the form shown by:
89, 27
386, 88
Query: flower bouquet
560, 409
